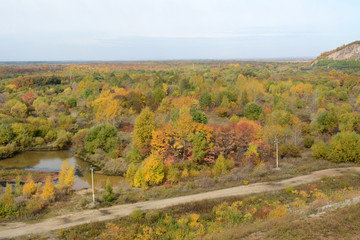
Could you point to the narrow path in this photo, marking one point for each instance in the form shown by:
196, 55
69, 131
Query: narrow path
16, 229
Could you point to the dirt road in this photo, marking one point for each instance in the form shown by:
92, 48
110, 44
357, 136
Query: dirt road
8, 230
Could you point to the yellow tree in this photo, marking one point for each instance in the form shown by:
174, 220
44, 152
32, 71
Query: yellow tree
66, 176
29, 187
153, 169
48, 193
70, 177
8, 199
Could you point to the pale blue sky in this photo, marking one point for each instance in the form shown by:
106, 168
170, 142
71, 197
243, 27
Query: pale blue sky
46, 30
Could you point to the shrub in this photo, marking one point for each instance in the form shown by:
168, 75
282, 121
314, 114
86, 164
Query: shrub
134, 156
222, 165
33, 206
137, 215
8, 150
199, 116
344, 147
130, 173
289, 150
117, 166
109, 195
320, 150
152, 216
173, 174
308, 141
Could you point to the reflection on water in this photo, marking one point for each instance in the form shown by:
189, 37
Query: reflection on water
51, 161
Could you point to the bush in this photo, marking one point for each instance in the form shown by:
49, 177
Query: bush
33, 206
173, 174
137, 215
253, 111
8, 150
289, 150
344, 147
199, 116
117, 166
134, 156
308, 141
109, 195
130, 173
152, 216
320, 150
222, 166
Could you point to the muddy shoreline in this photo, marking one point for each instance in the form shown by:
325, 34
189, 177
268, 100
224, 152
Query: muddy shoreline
9, 176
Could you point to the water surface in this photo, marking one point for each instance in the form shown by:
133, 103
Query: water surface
51, 161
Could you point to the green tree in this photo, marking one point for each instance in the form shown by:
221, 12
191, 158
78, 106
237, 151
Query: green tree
205, 99
102, 136
109, 195
130, 173
253, 111
142, 134
134, 156
198, 140
199, 116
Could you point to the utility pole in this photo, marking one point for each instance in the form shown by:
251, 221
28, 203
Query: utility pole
277, 152
92, 183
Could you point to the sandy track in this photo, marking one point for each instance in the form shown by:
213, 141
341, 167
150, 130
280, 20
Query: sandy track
16, 229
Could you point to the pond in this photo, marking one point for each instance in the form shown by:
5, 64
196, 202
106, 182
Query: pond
51, 161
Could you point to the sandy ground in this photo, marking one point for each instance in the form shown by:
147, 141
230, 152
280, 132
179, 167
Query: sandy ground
16, 229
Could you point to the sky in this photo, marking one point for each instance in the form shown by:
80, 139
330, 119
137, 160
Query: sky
108, 30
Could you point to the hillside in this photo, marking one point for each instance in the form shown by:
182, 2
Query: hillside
349, 51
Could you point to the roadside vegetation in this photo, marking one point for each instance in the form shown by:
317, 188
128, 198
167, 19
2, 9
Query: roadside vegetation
270, 216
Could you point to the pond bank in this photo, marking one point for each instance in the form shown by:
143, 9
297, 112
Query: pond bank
38, 176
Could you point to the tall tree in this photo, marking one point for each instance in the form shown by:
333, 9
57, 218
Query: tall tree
143, 128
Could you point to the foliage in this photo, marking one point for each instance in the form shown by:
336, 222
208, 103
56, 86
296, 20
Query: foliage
344, 147
289, 150
320, 150
153, 169
308, 141
253, 111
48, 193
130, 173
142, 135
66, 176
29, 187
222, 165
134, 156
103, 136
109, 195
